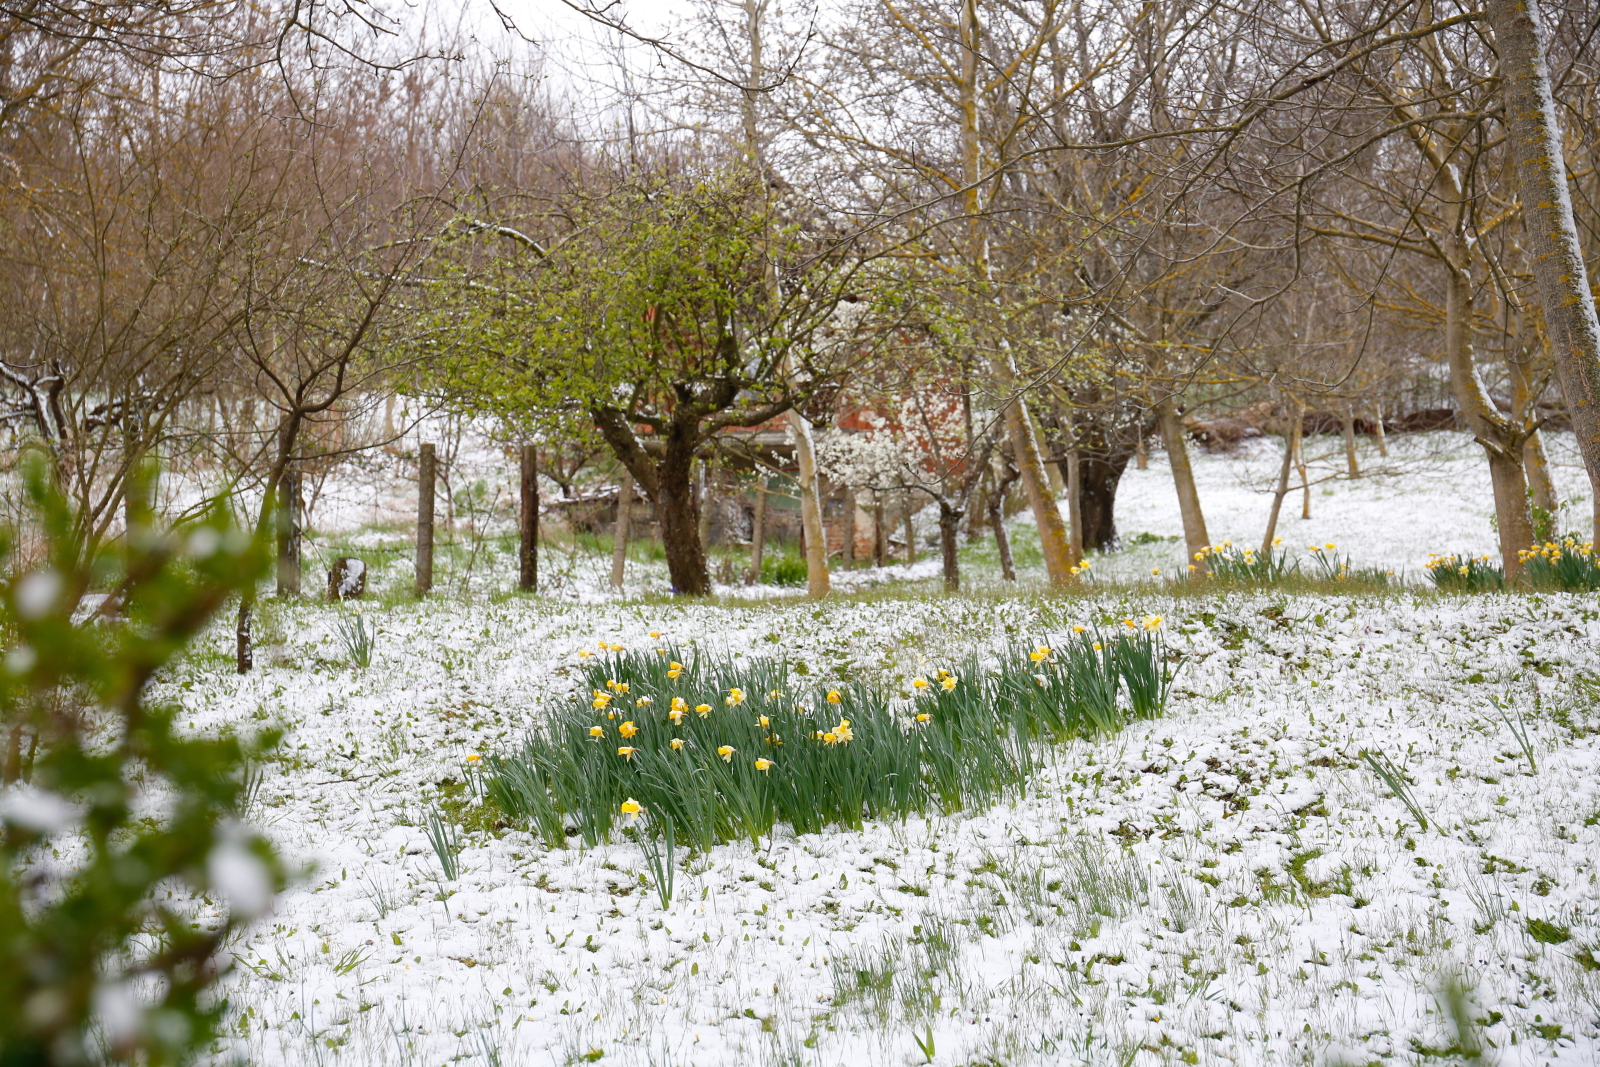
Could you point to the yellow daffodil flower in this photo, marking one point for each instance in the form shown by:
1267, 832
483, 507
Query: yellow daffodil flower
1039, 653
763, 722
655, 633
474, 758
1080, 629
734, 698
642, 702
923, 716
584, 653
843, 731
1153, 622
702, 710
627, 729
631, 807
919, 684
676, 742
626, 752
949, 683
763, 765
726, 752
833, 696
597, 731
828, 738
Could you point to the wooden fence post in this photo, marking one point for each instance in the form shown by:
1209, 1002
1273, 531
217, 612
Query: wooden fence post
529, 549
427, 471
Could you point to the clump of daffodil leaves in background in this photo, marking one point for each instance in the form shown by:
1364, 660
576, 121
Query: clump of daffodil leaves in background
127, 861
699, 749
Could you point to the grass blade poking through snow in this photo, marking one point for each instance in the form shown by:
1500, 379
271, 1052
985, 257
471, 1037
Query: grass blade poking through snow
446, 841
1395, 779
1519, 730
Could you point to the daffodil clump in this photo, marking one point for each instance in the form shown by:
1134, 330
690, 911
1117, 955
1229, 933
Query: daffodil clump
708, 750
1569, 565
1229, 562
1465, 574
1332, 567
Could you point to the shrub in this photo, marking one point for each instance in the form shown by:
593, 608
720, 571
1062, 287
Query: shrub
783, 568
1465, 574
104, 801
1568, 565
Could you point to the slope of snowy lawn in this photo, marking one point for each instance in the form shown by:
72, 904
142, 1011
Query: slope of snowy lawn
1228, 884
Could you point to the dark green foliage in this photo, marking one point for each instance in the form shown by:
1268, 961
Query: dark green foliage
783, 568
92, 964
1568, 565
837, 756
1233, 564
1466, 574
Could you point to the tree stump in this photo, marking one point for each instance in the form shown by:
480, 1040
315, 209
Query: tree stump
347, 579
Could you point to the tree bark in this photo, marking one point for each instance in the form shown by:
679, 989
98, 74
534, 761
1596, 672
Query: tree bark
1569, 310
619, 534
1194, 521
1142, 455
243, 635
1501, 442
1383, 440
949, 531
289, 533
911, 530
880, 539
810, 508
705, 475
1535, 463
849, 551
1074, 504
528, 543
758, 530
997, 521
1291, 443
427, 470
1352, 466
1099, 476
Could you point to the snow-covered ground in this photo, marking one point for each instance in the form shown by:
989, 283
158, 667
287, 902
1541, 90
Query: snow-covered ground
1230, 883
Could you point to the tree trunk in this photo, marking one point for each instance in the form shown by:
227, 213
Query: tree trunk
1142, 455
880, 538
1535, 463
1300, 465
1025, 453
1074, 463
758, 530
528, 542
244, 645
1349, 421
949, 530
911, 531
1194, 521
1291, 442
1500, 441
810, 508
997, 504
704, 486
1099, 476
680, 519
427, 468
1558, 268
619, 533
1377, 422
848, 554
289, 533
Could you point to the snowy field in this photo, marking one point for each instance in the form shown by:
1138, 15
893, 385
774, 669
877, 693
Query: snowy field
1230, 883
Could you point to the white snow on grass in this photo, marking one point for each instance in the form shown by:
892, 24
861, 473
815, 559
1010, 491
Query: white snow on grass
1230, 883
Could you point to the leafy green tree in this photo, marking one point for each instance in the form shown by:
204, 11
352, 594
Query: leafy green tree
104, 800
662, 315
